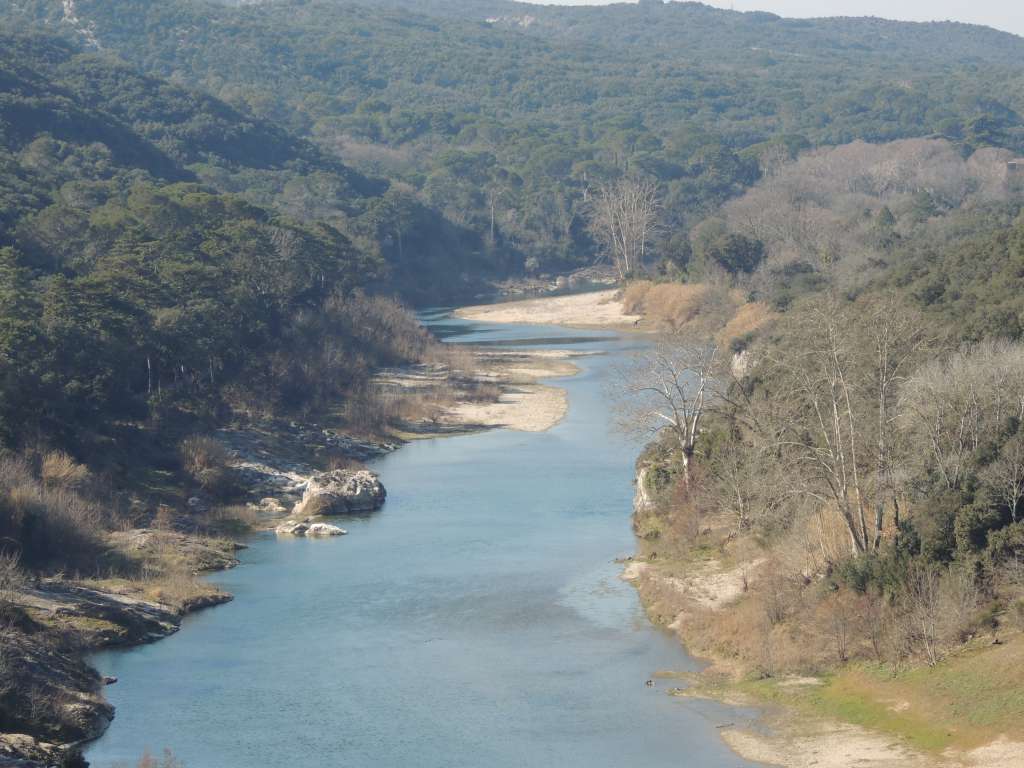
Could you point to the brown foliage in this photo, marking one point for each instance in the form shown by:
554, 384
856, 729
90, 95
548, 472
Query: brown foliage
50, 526
59, 470
206, 461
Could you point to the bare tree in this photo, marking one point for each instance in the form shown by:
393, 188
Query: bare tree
952, 404
922, 606
822, 426
623, 217
897, 337
747, 483
669, 386
1005, 476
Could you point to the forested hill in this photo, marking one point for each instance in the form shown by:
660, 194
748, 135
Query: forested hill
158, 250
502, 115
732, 39
56, 90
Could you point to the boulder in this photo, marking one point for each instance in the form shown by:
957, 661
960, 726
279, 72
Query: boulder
325, 529
292, 528
341, 491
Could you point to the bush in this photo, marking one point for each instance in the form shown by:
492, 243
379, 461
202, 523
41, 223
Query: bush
11, 576
206, 461
50, 527
59, 470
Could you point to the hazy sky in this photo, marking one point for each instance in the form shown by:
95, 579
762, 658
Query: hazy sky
1002, 14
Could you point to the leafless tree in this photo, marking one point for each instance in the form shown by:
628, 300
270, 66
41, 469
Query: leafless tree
823, 428
952, 404
747, 483
669, 386
897, 338
922, 603
623, 217
1004, 477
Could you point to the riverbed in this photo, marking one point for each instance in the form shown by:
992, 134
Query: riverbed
478, 619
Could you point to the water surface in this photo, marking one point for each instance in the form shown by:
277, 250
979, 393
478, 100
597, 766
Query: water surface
477, 620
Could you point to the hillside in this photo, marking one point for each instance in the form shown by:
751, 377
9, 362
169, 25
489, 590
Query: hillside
160, 251
503, 125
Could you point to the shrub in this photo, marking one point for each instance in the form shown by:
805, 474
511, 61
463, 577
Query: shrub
11, 576
50, 527
59, 470
206, 461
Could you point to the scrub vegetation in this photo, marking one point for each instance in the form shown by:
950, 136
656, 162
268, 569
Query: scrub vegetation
856, 469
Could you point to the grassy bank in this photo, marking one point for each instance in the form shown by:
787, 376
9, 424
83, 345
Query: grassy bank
717, 592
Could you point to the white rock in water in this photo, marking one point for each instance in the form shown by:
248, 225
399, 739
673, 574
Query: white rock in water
325, 529
341, 491
292, 528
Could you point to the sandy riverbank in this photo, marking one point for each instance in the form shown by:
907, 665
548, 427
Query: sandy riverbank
823, 743
524, 404
598, 309
784, 736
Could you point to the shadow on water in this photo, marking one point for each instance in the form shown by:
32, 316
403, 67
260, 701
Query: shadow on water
478, 620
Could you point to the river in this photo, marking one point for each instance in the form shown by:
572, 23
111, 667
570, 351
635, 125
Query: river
477, 620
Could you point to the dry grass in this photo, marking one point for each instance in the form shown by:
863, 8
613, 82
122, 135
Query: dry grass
699, 308
59, 470
54, 526
12, 578
207, 462
749, 318
673, 304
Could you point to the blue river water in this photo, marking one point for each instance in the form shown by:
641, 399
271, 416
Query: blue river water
477, 620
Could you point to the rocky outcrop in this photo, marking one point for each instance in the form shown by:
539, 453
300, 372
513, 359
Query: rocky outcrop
99, 619
339, 492
20, 751
325, 529
57, 697
275, 459
642, 496
307, 528
741, 363
292, 528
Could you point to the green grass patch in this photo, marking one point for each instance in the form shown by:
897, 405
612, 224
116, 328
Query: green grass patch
965, 701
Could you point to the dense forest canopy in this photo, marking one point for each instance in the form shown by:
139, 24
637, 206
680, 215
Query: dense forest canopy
419, 149
503, 115
135, 280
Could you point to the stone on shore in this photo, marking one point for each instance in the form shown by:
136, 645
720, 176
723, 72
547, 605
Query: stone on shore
292, 528
340, 491
306, 528
325, 529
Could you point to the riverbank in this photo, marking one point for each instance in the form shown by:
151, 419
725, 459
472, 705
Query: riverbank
960, 713
504, 391
51, 625
597, 309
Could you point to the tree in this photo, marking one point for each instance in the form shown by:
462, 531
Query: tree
670, 386
952, 405
897, 339
822, 426
836, 384
623, 217
1005, 476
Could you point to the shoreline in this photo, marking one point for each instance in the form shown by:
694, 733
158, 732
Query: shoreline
273, 461
594, 309
788, 730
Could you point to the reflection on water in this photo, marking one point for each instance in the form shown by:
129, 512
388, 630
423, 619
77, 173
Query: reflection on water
477, 620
